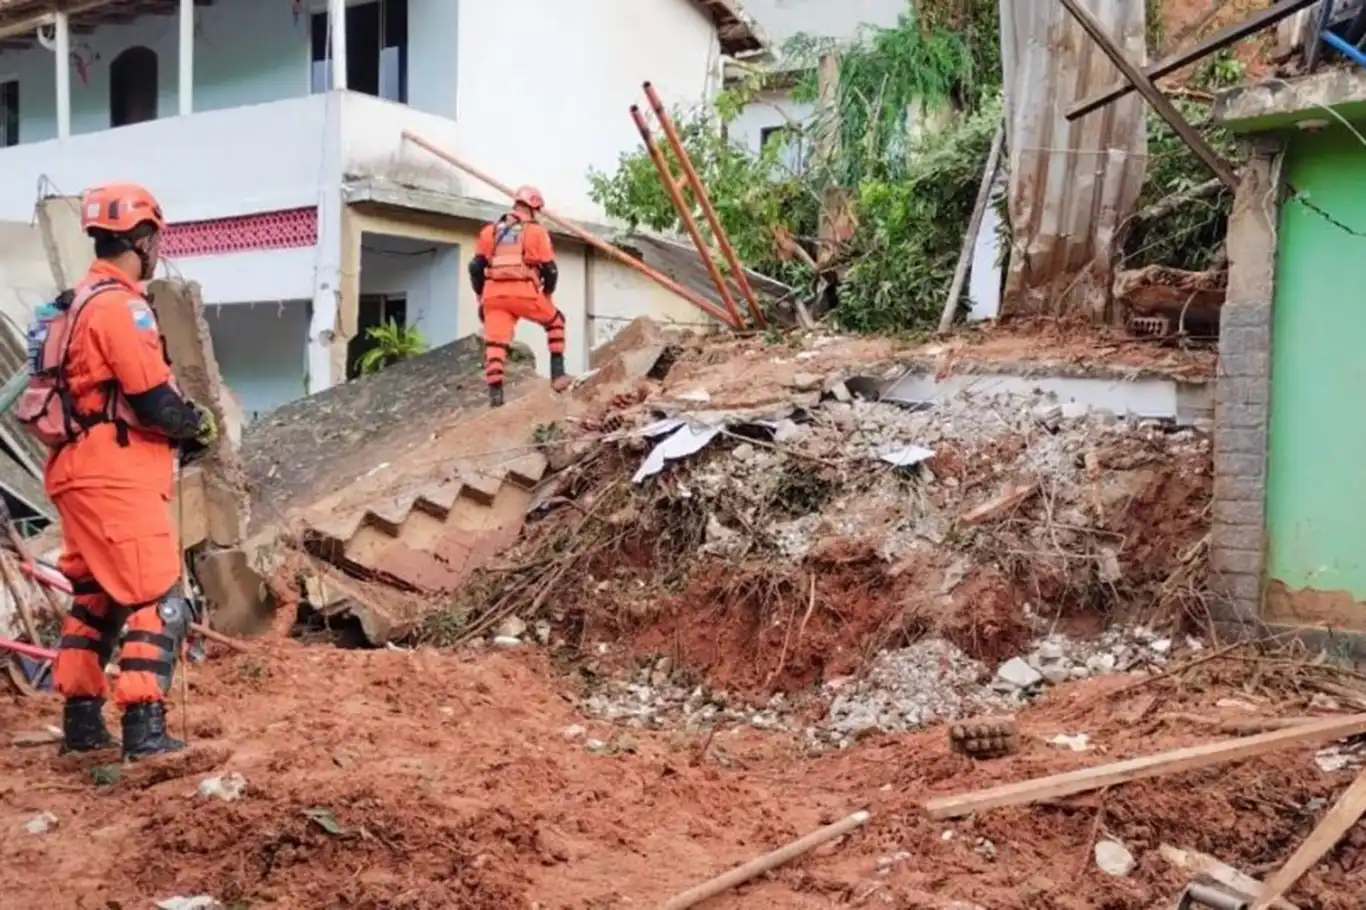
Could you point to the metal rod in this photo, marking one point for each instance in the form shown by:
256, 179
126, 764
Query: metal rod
979, 210
12, 389
699, 189
1145, 87
570, 227
680, 204
1219, 40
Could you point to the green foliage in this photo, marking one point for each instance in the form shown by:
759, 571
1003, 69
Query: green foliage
1192, 235
940, 53
912, 229
392, 344
1219, 71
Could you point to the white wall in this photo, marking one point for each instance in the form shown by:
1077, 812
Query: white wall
428, 276
199, 167
261, 351
249, 277
575, 70
838, 19
768, 109
620, 294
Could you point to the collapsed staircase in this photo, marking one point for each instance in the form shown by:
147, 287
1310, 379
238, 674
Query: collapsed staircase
401, 484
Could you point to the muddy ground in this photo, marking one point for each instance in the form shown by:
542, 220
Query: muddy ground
392, 779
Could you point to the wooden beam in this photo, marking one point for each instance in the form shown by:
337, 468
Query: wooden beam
1218, 41
1197, 144
1059, 785
1346, 812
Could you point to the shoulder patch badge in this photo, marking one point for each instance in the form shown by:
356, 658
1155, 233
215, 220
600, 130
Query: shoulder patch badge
143, 317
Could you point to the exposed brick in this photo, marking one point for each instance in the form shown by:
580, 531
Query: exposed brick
1243, 390
1236, 561
1238, 512
1248, 467
1230, 488
1249, 364
1237, 537
1240, 594
1243, 340
1235, 414
1234, 441
1237, 315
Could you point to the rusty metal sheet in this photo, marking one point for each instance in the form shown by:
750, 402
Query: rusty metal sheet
1071, 184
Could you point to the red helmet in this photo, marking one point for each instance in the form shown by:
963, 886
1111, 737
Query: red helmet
119, 208
530, 197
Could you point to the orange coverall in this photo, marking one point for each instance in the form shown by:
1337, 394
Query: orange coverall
505, 302
119, 546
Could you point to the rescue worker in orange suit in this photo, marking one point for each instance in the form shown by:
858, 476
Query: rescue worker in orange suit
111, 484
514, 276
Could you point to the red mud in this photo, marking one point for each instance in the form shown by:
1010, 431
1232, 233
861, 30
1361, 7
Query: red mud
423, 780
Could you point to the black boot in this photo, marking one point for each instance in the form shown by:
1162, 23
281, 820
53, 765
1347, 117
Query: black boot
556, 367
144, 731
496, 395
83, 728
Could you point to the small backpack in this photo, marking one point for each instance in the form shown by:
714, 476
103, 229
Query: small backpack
45, 408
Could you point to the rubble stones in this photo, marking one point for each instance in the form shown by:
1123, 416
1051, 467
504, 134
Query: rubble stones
1113, 858
1016, 673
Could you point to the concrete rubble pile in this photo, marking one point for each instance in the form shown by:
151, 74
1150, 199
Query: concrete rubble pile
1043, 490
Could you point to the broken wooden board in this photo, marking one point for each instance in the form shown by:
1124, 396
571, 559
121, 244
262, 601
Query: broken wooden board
1013, 497
1202, 865
1173, 762
1346, 812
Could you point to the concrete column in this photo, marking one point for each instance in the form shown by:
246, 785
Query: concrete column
1242, 403
63, 56
336, 25
185, 92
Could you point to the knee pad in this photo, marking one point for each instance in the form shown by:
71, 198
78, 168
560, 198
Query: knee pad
175, 613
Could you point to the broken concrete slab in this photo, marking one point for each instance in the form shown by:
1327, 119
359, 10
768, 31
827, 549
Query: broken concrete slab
180, 313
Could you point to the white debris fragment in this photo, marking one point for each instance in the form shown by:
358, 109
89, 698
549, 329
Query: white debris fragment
511, 627
227, 787
700, 396
906, 456
198, 902
574, 731
41, 824
1113, 858
684, 441
506, 642
1077, 742
1018, 674
806, 382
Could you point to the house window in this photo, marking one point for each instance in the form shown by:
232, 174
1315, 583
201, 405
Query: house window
9, 113
374, 310
376, 50
792, 154
133, 87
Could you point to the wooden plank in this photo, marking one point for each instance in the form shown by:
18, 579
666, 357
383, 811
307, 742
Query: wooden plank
1059, 785
1346, 812
1202, 865
1144, 86
1218, 41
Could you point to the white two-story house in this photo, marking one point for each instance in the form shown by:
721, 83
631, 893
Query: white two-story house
272, 132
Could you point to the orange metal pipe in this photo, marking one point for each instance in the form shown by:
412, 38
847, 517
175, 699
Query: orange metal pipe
689, 222
703, 199
570, 227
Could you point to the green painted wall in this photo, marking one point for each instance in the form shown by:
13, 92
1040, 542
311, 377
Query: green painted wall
1316, 481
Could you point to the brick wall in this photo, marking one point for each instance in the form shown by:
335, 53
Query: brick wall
1242, 402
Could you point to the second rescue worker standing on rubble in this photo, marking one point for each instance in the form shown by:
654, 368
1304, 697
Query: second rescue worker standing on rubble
514, 275
112, 480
